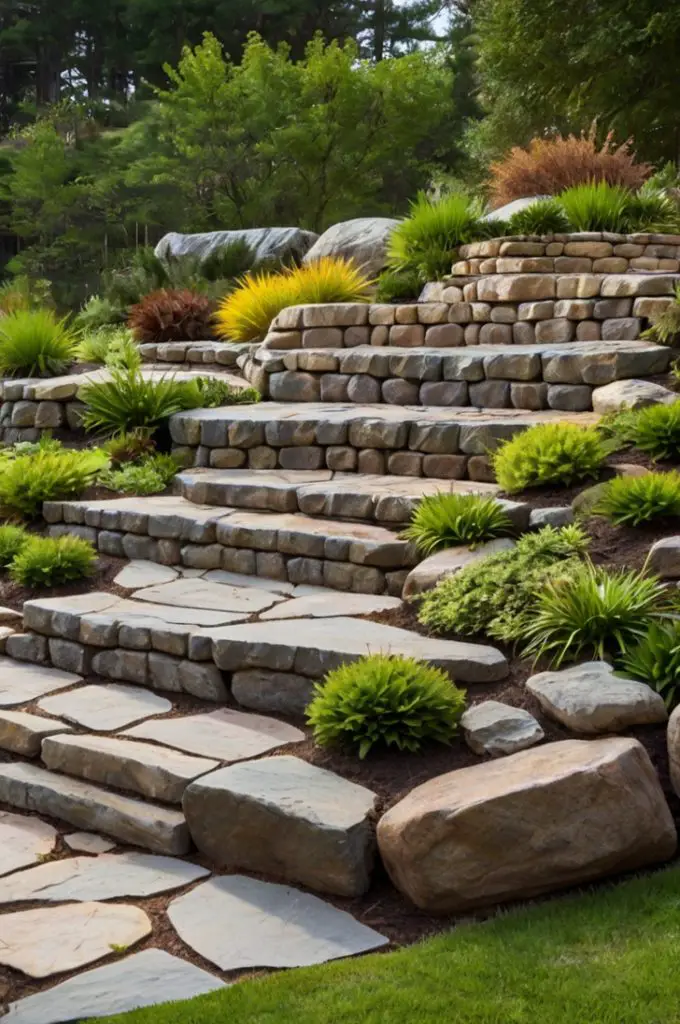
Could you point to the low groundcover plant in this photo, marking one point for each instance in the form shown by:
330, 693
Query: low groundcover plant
444, 520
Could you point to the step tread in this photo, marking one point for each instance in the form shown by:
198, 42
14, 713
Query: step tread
85, 805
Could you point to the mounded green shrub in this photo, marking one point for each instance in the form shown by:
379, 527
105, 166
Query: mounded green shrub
550, 453
399, 286
632, 500
655, 660
495, 596
51, 561
12, 540
385, 701
593, 614
544, 217
150, 475
46, 475
655, 430
444, 520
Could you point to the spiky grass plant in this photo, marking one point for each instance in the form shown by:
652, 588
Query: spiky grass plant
550, 453
655, 660
595, 206
172, 315
544, 217
444, 520
385, 701
246, 313
34, 343
426, 242
593, 614
655, 430
51, 561
45, 475
633, 500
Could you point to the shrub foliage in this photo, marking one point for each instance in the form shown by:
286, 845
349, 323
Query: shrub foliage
550, 453
385, 701
12, 540
444, 520
168, 315
151, 475
50, 561
34, 343
632, 500
426, 242
655, 660
46, 475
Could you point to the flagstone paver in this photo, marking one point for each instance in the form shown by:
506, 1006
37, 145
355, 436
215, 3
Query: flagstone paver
140, 573
83, 805
105, 707
206, 594
21, 682
107, 877
225, 735
23, 733
23, 841
333, 603
143, 979
52, 940
237, 922
88, 842
159, 773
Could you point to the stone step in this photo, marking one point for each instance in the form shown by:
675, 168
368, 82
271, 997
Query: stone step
194, 354
383, 499
157, 773
535, 376
445, 443
30, 788
129, 640
362, 557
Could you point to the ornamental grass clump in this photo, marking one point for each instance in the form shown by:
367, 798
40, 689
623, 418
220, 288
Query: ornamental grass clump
495, 595
444, 520
34, 343
426, 242
385, 701
655, 660
654, 430
246, 313
172, 315
51, 561
550, 453
544, 217
593, 614
46, 475
12, 540
634, 500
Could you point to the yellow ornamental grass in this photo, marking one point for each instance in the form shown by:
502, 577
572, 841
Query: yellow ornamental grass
246, 313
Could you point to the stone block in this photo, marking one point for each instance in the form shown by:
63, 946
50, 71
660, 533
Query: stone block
588, 330
322, 337
523, 333
335, 314
536, 310
406, 314
516, 288
570, 397
381, 314
556, 331
490, 394
445, 336
621, 329
404, 463
444, 467
399, 392
451, 393
574, 309
363, 389
529, 396
407, 335
495, 334
341, 459
460, 313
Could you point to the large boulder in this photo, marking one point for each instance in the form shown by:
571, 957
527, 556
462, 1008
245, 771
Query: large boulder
630, 394
266, 243
504, 213
363, 240
539, 820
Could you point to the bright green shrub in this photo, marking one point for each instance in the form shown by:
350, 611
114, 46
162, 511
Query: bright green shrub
50, 561
655, 660
399, 286
654, 429
33, 343
385, 701
427, 241
651, 210
495, 595
550, 453
631, 500
97, 346
444, 520
12, 540
151, 475
598, 206
46, 475
544, 217
594, 614
211, 392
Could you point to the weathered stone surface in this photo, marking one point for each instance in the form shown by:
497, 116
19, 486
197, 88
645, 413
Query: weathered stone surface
52, 940
23, 841
431, 570
225, 735
284, 817
202, 681
138, 574
321, 606
104, 708
363, 239
270, 925
495, 728
265, 243
107, 877
143, 979
21, 683
278, 692
22, 733
557, 515
664, 558
328, 643
535, 821
208, 595
589, 698
632, 394
88, 842
159, 773
83, 805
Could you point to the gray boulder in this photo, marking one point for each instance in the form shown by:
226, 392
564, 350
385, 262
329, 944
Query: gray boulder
506, 212
266, 243
363, 240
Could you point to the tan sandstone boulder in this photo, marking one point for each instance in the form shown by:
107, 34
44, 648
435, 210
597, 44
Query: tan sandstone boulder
538, 820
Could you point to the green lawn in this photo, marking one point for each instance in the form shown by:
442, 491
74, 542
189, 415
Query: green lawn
610, 957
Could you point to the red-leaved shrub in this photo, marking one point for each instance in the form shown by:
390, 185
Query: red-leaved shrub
550, 165
172, 315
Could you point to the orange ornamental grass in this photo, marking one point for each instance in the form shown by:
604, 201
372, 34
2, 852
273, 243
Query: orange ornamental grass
172, 315
550, 165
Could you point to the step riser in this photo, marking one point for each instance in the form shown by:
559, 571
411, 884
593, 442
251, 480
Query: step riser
555, 377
